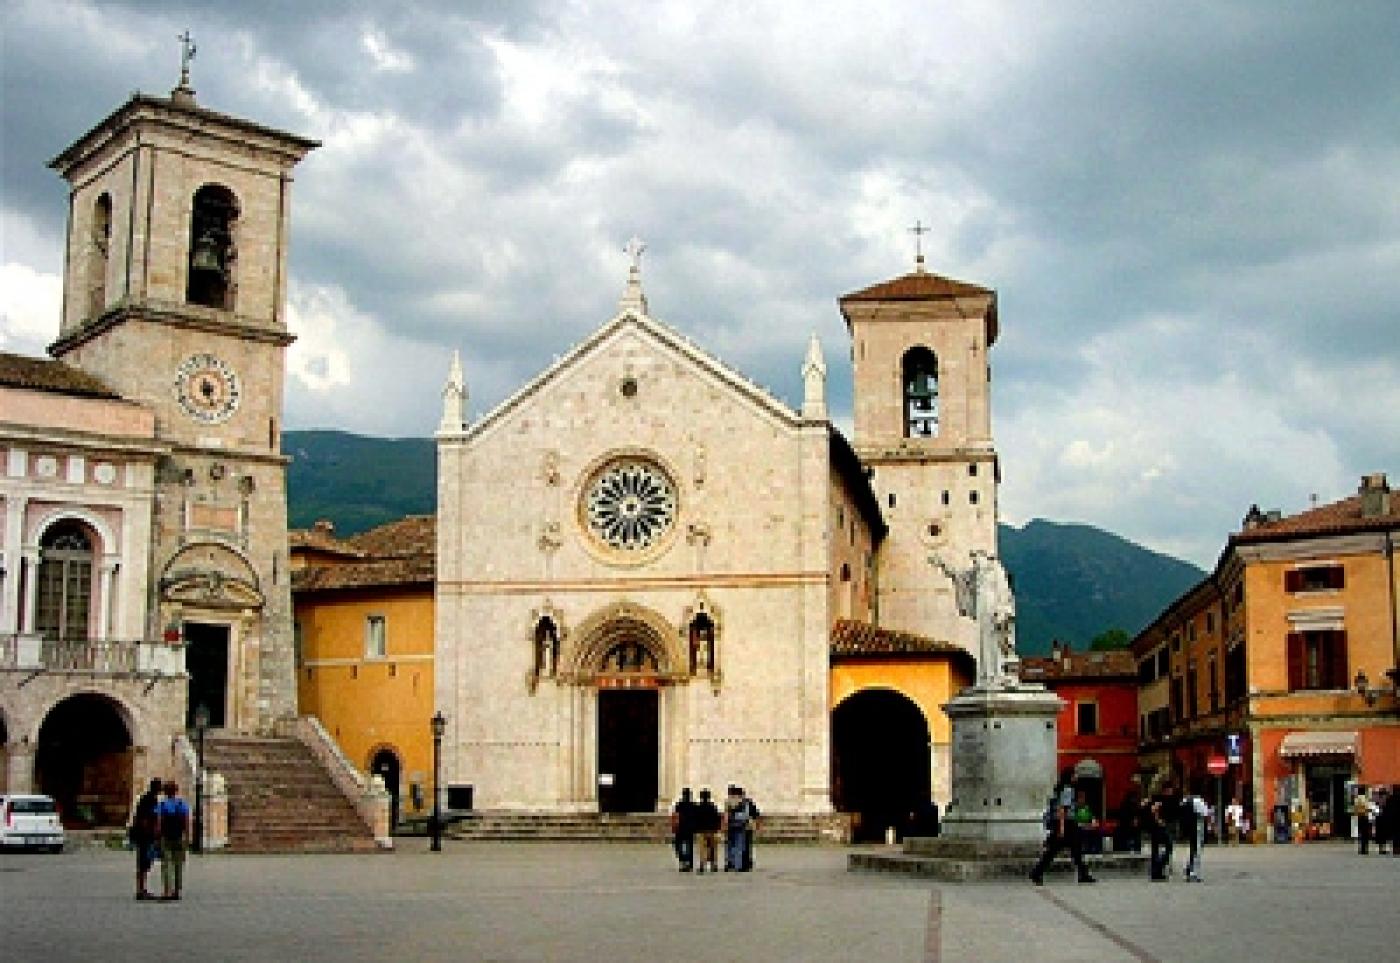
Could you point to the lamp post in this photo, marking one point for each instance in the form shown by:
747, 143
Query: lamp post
201, 723
439, 727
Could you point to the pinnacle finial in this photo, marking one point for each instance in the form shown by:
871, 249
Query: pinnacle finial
633, 299
454, 399
814, 381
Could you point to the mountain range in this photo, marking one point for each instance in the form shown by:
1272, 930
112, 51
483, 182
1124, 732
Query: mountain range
1072, 581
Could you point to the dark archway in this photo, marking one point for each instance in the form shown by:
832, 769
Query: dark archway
84, 762
880, 761
386, 766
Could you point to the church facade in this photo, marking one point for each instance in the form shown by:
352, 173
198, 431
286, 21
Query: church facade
648, 566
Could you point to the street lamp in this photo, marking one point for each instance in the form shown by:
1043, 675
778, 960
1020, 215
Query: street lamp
439, 727
1371, 693
201, 723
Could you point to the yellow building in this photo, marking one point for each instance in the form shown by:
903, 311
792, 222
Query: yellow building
364, 631
891, 740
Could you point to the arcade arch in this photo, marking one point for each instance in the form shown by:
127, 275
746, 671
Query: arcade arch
881, 769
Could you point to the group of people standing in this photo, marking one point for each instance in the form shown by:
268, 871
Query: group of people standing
160, 830
1161, 815
1377, 815
703, 822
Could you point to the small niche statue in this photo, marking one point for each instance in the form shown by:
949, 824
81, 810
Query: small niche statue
983, 594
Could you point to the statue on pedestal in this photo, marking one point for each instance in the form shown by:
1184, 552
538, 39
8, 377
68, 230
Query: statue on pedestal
983, 594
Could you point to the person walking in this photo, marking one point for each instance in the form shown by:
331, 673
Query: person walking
1361, 809
142, 835
173, 815
707, 823
1063, 833
1388, 822
683, 830
1196, 816
1161, 817
1234, 821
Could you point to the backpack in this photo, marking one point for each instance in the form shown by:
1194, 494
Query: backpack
174, 816
739, 816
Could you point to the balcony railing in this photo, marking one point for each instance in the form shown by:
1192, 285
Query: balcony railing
32, 653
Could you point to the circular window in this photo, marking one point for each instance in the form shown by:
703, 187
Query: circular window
629, 387
629, 504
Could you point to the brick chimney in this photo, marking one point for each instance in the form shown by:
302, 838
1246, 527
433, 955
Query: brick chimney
1375, 495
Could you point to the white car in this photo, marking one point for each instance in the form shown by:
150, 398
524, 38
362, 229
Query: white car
30, 821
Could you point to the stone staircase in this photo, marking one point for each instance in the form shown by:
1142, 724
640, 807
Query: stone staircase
280, 799
517, 825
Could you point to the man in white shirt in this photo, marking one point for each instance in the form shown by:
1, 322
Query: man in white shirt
1198, 815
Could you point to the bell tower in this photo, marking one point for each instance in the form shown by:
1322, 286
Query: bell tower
919, 346
174, 287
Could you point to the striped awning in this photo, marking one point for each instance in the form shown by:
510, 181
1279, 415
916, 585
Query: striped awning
1318, 744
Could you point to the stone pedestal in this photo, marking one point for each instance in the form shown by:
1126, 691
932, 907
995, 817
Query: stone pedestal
1004, 759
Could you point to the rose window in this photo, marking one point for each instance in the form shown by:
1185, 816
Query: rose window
630, 504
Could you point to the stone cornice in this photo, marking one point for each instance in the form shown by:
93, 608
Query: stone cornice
613, 585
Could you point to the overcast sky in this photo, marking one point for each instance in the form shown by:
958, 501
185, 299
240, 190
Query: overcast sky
1190, 212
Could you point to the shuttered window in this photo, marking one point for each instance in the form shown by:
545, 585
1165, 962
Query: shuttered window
1317, 660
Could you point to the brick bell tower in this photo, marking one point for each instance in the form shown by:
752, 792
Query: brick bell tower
174, 288
920, 346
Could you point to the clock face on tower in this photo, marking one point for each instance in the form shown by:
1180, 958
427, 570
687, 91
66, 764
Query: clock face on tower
207, 388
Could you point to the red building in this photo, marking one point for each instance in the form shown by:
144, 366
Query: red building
1098, 725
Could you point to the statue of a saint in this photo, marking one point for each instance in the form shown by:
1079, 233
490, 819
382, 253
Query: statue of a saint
983, 594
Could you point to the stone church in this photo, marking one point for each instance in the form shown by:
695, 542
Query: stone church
143, 566
654, 574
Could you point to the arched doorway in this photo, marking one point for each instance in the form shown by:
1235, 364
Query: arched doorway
84, 761
385, 765
880, 760
628, 717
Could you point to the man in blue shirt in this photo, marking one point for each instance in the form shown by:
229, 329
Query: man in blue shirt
173, 818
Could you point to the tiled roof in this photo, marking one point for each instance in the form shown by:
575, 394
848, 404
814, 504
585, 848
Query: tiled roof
1080, 665
410, 535
851, 638
1331, 519
322, 539
378, 573
919, 286
42, 374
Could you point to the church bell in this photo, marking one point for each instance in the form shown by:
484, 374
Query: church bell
207, 254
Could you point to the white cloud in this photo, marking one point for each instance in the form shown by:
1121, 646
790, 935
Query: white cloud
29, 304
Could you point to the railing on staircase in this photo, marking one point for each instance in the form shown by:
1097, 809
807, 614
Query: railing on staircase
370, 798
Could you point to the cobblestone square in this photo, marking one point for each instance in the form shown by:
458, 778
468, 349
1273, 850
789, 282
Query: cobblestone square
518, 902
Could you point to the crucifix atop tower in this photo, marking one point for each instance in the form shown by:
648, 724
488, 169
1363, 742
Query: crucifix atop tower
184, 92
918, 230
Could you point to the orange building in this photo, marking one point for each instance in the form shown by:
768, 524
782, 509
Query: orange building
1282, 664
364, 632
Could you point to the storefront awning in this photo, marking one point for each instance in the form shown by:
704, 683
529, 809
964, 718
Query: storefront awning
1318, 744
1088, 769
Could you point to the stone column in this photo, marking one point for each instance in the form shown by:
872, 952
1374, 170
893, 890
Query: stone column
30, 564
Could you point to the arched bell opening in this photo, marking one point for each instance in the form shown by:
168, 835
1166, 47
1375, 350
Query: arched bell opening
881, 772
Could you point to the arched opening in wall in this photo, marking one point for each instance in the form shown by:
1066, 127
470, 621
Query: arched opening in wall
212, 253
546, 647
880, 766
84, 762
99, 254
385, 765
629, 745
1088, 779
63, 607
701, 634
920, 378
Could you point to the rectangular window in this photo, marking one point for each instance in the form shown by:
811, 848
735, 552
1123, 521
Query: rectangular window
1210, 623
1314, 578
1087, 722
1192, 707
1317, 660
1178, 699
1213, 681
1163, 662
298, 656
1236, 686
374, 637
